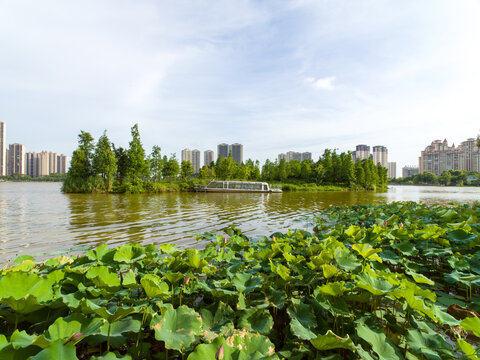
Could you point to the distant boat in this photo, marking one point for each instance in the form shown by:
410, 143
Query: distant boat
236, 187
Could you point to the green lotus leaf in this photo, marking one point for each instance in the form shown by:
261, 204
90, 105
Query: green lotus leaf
177, 328
246, 283
115, 313
56, 275
102, 277
24, 292
57, 351
111, 356
154, 286
3, 341
21, 258
460, 236
9, 353
406, 248
129, 253
419, 278
210, 351
129, 280
333, 288
390, 256
367, 251
346, 260
24, 266
217, 319
64, 328
118, 331
331, 341
467, 349
383, 346
194, 260
302, 321
329, 271
256, 320
471, 324
20, 339
430, 345
59, 261
377, 286
101, 254
281, 271
167, 248
174, 277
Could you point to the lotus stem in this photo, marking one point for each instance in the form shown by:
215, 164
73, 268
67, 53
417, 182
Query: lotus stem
108, 337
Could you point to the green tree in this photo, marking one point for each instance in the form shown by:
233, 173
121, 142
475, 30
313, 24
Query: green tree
282, 172
170, 168
225, 168
186, 169
138, 167
104, 161
445, 178
122, 163
156, 163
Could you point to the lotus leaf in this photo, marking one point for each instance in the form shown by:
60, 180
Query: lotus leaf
64, 328
154, 286
256, 320
367, 251
102, 276
31, 289
252, 346
20, 339
210, 351
331, 341
177, 328
302, 321
246, 283
57, 351
329, 271
111, 356
280, 270
129, 253
383, 346
471, 324
346, 260
467, 349
377, 286
332, 289
431, 346
129, 279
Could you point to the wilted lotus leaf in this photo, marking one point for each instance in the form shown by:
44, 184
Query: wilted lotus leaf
177, 328
251, 345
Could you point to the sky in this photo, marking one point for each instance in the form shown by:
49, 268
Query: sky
275, 76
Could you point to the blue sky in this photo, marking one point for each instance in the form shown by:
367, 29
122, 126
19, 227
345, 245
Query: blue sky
275, 76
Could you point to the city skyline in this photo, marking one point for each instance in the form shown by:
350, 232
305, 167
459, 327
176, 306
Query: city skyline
297, 75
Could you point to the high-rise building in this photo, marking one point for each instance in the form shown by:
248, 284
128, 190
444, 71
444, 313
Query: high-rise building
237, 153
223, 150
409, 171
208, 157
43, 163
196, 160
306, 156
439, 156
16, 159
187, 155
52, 163
62, 164
380, 155
392, 170
281, 156
361, 152
293, 155
31, 161
3, 148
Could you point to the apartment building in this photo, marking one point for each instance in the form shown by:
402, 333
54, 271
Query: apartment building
196, 160
15, 159
3, 148
208, 157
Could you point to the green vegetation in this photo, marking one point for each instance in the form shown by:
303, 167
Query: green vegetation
374, 282
26, 178
447, 178
105, 168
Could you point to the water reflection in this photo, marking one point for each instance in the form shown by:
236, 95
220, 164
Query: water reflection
37, 218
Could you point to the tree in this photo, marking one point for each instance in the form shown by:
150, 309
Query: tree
225, 167
171, 167
104, 161
186, 169
81, 164
156, 163
138, 167
122, 163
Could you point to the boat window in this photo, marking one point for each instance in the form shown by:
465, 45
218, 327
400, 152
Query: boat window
265, 187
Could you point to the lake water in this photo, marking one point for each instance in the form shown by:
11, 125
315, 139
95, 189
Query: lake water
37, 219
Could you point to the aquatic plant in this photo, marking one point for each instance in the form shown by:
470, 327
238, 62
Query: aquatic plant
374, 282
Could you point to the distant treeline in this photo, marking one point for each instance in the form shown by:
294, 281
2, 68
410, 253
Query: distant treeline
447, 178
103, 167
26, 178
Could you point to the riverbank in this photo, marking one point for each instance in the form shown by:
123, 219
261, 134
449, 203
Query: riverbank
375, 280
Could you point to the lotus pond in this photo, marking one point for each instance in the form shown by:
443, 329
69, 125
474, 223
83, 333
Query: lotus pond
373, 282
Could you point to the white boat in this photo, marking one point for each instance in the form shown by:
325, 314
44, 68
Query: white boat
237, 186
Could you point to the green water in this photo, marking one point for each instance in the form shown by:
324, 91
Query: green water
37, 219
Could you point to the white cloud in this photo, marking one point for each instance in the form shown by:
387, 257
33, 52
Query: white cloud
322, 83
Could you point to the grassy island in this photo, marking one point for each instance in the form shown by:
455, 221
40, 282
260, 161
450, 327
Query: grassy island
373, 282
105, 168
